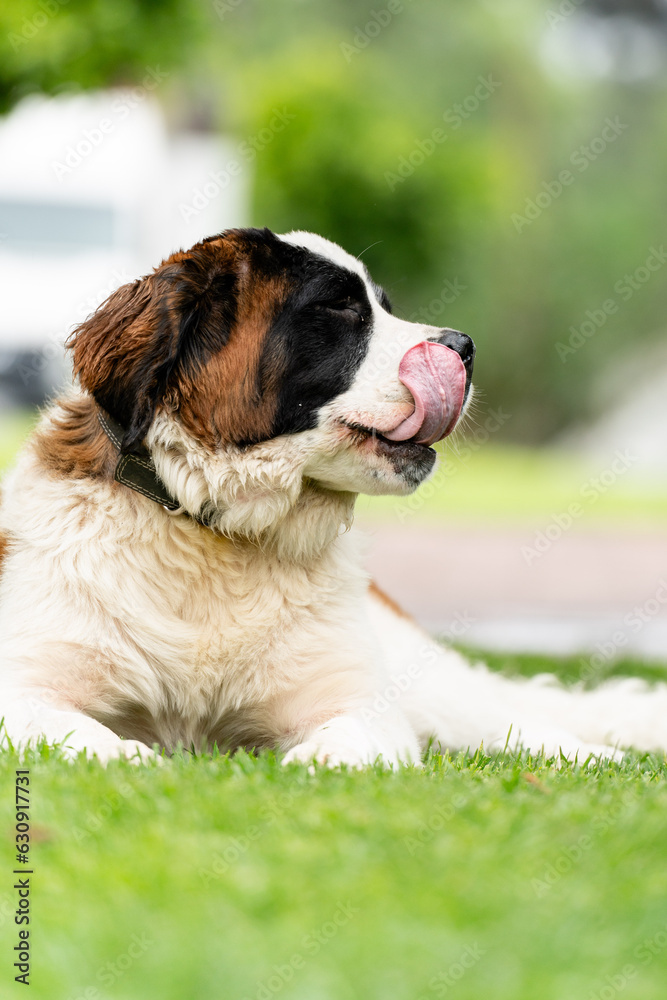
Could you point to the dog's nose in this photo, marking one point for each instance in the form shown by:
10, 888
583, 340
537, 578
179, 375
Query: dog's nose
461, 343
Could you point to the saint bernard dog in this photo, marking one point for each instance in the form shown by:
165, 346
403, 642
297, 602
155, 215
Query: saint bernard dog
177, 560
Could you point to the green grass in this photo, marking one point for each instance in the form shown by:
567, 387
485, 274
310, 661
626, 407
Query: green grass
571, 669
209, 876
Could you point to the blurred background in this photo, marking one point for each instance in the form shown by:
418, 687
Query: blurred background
501, 167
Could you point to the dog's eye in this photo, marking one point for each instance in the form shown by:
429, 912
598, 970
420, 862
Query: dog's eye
346, 307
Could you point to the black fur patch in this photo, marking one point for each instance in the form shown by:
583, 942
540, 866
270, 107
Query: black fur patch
320, 337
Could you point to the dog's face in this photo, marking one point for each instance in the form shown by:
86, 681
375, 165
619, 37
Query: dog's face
275, 349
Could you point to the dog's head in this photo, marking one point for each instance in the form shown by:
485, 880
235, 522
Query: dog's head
254, 363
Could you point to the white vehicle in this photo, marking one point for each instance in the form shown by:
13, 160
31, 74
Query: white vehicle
94, 191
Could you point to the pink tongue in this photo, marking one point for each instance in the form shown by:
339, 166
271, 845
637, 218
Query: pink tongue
436, 377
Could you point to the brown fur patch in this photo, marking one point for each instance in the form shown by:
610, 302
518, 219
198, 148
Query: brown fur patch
112, 347
73, 443
4, 545
111, 340
226, 402
388, 602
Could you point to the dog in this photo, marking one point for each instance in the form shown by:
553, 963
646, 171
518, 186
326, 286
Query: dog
178, 566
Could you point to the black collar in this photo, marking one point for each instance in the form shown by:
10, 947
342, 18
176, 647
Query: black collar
136, 469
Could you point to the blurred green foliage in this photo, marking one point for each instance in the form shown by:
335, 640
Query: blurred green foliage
54, 45
369, 87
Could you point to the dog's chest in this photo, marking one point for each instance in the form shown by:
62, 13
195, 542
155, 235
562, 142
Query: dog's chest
233, 625
250, 618
202, 635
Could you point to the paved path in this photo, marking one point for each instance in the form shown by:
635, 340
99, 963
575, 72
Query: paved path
587, 588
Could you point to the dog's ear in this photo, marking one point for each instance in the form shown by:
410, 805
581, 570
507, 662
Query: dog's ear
133, 351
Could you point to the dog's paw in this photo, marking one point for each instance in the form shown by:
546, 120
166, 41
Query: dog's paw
329, 754
136, 752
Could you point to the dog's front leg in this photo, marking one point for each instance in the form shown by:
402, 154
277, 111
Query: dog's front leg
27, 717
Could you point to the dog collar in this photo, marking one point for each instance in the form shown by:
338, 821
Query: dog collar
136, 469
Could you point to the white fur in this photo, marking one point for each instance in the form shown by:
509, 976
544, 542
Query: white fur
117, 614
